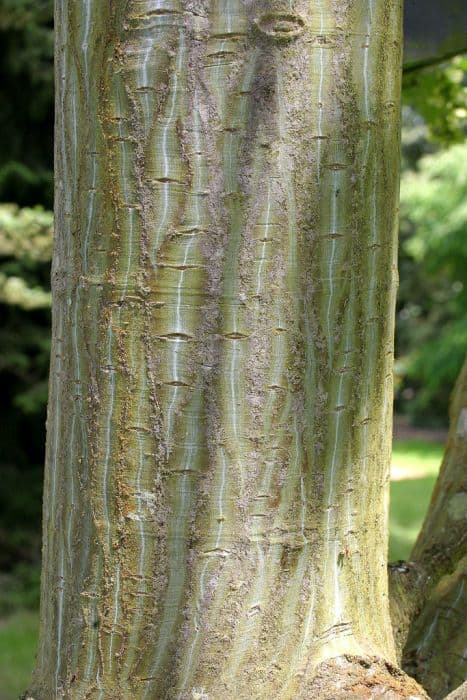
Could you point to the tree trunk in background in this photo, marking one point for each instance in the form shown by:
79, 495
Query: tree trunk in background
429, 592
215, 515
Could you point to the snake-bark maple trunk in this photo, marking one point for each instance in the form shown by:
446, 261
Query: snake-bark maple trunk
215, 515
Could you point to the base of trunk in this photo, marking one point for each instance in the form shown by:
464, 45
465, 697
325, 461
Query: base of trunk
355, 678
341, 678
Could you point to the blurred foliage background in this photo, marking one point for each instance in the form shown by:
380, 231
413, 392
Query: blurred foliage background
26, 191
431, 321
431, 333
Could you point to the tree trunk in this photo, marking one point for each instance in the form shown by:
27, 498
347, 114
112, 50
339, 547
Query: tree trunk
429, 593
215, 515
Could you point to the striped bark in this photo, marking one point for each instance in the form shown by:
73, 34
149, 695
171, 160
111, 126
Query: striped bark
215, 515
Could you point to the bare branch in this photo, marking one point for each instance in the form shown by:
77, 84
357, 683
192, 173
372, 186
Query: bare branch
433, 33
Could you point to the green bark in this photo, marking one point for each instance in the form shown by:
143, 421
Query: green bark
215, 515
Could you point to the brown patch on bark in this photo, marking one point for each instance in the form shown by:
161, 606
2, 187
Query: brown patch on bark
361, 678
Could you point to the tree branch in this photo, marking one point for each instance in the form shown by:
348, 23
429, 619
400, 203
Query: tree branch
432, 34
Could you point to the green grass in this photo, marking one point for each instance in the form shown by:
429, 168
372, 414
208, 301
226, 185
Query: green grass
410, 496
409, 500
18, 638
415, 455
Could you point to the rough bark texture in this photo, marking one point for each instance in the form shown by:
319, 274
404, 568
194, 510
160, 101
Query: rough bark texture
215, 517
459, 693
435, 651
